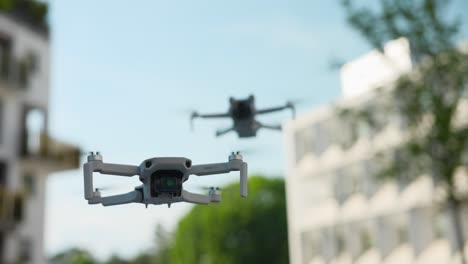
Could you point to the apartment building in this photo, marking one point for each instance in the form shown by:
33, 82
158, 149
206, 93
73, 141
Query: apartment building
28, 153
338, 210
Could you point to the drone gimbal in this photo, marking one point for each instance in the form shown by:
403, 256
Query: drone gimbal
162, 180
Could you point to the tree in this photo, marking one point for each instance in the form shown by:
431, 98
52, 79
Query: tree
238, 230
158, 254
163, 244
427, 98
73, 256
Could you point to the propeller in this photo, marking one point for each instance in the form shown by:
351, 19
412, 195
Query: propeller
191, 112
295, 102
210, 188
250, 151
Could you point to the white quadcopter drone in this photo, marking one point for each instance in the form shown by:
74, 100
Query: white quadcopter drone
162, 180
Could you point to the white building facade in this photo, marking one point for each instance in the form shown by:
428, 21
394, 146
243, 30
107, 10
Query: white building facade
338, 211
27, 151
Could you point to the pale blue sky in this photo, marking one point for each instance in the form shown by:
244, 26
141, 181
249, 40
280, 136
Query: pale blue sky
124, 73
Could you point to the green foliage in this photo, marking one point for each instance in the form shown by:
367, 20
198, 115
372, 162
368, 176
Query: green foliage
422, 22
6, 4
238, 230
33, 11
163, 244
73, 256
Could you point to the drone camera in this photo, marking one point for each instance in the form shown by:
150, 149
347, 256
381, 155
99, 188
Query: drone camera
148, 164
166, 182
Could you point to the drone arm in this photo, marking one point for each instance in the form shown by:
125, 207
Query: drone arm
200, 198
234, 164
209, 169
276, 109
197, 115
212, 115
130, 197
103, 168
118, 169
224, 131
272, 127
270, 110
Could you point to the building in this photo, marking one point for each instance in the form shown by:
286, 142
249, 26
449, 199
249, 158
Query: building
338, 212
28, 153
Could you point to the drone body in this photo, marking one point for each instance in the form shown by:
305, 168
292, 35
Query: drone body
243, 113
162, 180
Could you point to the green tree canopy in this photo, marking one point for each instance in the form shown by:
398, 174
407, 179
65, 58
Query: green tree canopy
34, 12
73, 256
237, 230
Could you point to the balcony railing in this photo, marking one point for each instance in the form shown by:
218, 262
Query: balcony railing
53, 155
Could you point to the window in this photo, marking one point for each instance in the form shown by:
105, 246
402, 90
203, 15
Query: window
340, 186
327, 244
440, 224
347, 133
340, 244
402, 234
18, 208
2, 127
349, 180
25, 251
23, 74
3, 174
5, 56
29, 184
26, 66
420, 228
310, 246
366, 241
370, 177
34, 125
32, 62
2, 246
320, 137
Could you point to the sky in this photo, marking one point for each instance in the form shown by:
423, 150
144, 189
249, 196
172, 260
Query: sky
126, 74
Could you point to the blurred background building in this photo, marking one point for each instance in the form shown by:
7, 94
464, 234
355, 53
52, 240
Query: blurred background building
338, 209
28, 153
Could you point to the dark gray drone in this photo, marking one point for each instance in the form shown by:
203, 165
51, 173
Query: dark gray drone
243, 113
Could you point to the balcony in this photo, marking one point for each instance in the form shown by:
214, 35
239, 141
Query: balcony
51, 155
11, 209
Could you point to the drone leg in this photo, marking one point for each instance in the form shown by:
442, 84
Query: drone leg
196, 198
224, 131
272, 127
131, 197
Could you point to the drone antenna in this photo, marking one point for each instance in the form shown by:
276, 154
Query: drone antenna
291, 106
194, 115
